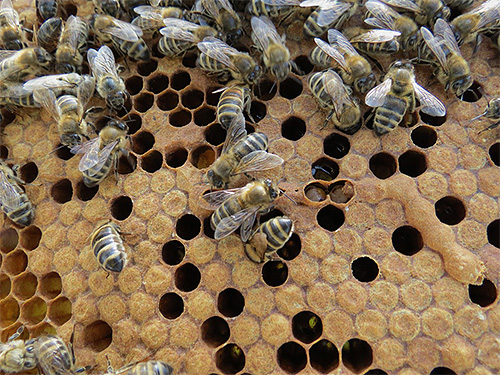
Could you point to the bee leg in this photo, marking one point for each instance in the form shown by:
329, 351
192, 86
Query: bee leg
16, 334
491, 127
328, 118
476, 44
296, 69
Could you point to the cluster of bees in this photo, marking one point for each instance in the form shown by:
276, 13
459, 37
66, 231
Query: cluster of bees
48, 74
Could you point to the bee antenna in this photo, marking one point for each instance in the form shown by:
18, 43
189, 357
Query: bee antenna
272, 87
57, 148
286, 195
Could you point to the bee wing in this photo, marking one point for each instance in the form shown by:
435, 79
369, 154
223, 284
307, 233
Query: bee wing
9, 196
429, 103
182, 24
103, 157
258, 161
124, 30
6, 54
154, 3
434, 45
334, 86
55, 81
47, 100
178, 34
90, 151
85, 90
225, 4
229, 224
376, 36
340, 42
149, 12
265, 32
330, 14
404, 4
102, 62
235, 132
489, 11
282, 2
316, 3
384, 17
10, 14
443, 30
247, 226
218, 50
376, 96
332, 52
216, 198
73, 31
210, 8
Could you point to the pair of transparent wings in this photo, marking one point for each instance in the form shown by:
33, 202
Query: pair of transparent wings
9, 195
213, 8
12, 66
335, 88
72, 32
337, 48
384, 17
488, 12
122, 30
329, 11
265, 33
180, 30
9, 14
219, 51
102, 63
94, 157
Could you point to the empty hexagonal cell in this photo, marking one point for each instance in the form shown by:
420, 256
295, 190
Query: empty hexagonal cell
189, 60
424, 136
215, 134
146, 68
364, 269
493, 233
157, 83
8, 240
171, 305
382, 165
341, 191
152, 161
142, 142
207, 228
187, 277
202, 157
176, 158
473, 93
265, 89
192, 99
494, 152
9, 312
15, 262
315, 192
30, 237
337, 146
230, 302
204, 116
43, 329
330, 218
134, 122
325, 169
179, 118
60, 310
258, 111
483, 295
134, 85
450, 210
442, 371
62, 191
307, 326
63, 152
167, 101
230, 359
173, 252
143, 102
5, 285
127, 164
412, 163
85, 193
357, 355
292, 357
188, 227
275, 273
432, 120
293, 128
324, 356
28, 172
290, 88
212, 95
24, 286
97, 336
50, 285
121, 207
407, 240
291, 249
34, 310
215, 331
180, 80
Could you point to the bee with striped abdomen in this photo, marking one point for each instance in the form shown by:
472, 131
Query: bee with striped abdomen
46, 9
49, 33
17, 355
142, 368
277, 9
10, 29
72, 40
373, 42
233, 100
150, 19
13, 200
268, 238
223, 17
108, 248
396, 95
241, 153
329, 14
110, 7
426, 12
17, 65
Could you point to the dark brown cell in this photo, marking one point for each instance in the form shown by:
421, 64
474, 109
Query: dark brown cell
134, 122
412, 163
187, 277
121, 207
171, 305
157, 83
407, 240
146, 68
307, 326
204, 116
202, 157
382, 165
179, 118
493, 233
215, 134
28, 172
483, 295
325, 169
142, 142
291, 249
192, 99
5, 286
85, 193
450, 210
152, 161
143, 102
293, 128
304, 65
62, 191
494, 152
173, 252
230, 359
265, 89
290, 88
60, 310
127, 164
63, 152
167, 101
25, 286
432, 120
424, 137
275, 273
330, 218
30, 237
8, 240
230, 302
473, 93
357, 355
97, 336
15, 262
188, 227
180, 80
337, 146
50, 285
292, 357
324, 356
134, 85
215, 331
364, 269
176, 158
442, 371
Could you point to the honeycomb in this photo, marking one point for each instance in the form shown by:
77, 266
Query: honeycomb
392, 268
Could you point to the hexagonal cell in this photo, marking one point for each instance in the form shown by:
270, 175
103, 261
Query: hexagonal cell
24, 286
473, 93
192, 99
15, 262
167, 101
265, 89
176, 158
337, 146
173, 252
324, 356
382, 165
207, 228
483, 295
188, 227
204, 116
189, 60
171, 305
30, 237
293, 128
303, 64
291, 249
85, 193
290, 88
7, 333
51, 285
28, 172
146, 68
215, 134
357, 355
412, 163
5, 286
34, 310
442, 371
230, 302
407, 240
187, 277
202, 157
6, 117
230, 359
330, 218
432, 120
315, 192
143, 102
63, 152
142, 142
9, 312
325, 169
134, 122
97, 336
493, 233
424, 136
212, 95
307, 326
157, 83
152, 161
179, 118
494, 152
8, 240
341, 191
60, 310
127, 164
180, 80
43, 329
450, 210
62, 191
121, 207
258, 111
364, 269
275, 273
4, 152
215, 331
134, 85
292, 357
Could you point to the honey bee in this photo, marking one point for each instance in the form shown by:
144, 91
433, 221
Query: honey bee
374, 42
458, 5
280, 9
492, 111
395, 96
180, 36
143, 368
109, 84
275, 55
17, 65
73, 38
329, 14
330, 91
13, 200
68, 110
17, 355
217, 57
354, 69
110, 7
241, 153
425, 11
150, 18
10, 29
239, 207
386, 18
453, 70
47, 9
223, 16
268, 238
108, 248
124, 36
233, 100
49, 33
101, 152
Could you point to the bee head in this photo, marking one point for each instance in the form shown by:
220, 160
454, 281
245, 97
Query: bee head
71, 140
413, 41
214, 180
117, 100
254, 75
461, 85
43, 57
363, 85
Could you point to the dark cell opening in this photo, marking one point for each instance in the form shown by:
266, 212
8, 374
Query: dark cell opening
230, 302
407, 240
70, 9
173, 252
30, 237
188, 227
271, 215
265, 89
324, 356
176, 158
473, 93
215, 331
157, 83
142, 142
292, 357
100, 123
155, 52
450, 210
291, 249
258, 110
167, 101
192, 99
6, 117
442, 371
187, 277
134, 85
180, 80
341, 191
28, 172
97, 336
51, 285
62, 191
9, 312
432, 120
290, 88
16, 262
189, 60
204, 116
8, 240
63, 152
5, 286
325, 169
152, 161
213, 97
202, 157
307, 326
121, 112
357, 355
493, 233
180, 118
275, 273
484, 294
315, 192
127, 164
337, 146
25, 286
424, 137
412, 163
364, 269
230, 359
60, 310
171, 305
121, 207
4, 152
494, 152
330, 218
304, 65
376, 371
293, 128
215, 134
134, 122
146, 68
143, 102
382, 165
207, 228
249, 128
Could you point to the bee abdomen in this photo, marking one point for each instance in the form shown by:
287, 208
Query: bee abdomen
137, 50
228, 208
172, 47
205, 62
230, 104
278, 231
311, 27
24, 214
108, 249
92, 177
152, 368
388, 116
252, 142
320, 58
53, 355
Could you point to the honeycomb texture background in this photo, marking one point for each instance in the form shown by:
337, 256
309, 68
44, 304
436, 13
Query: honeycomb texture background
379, 271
